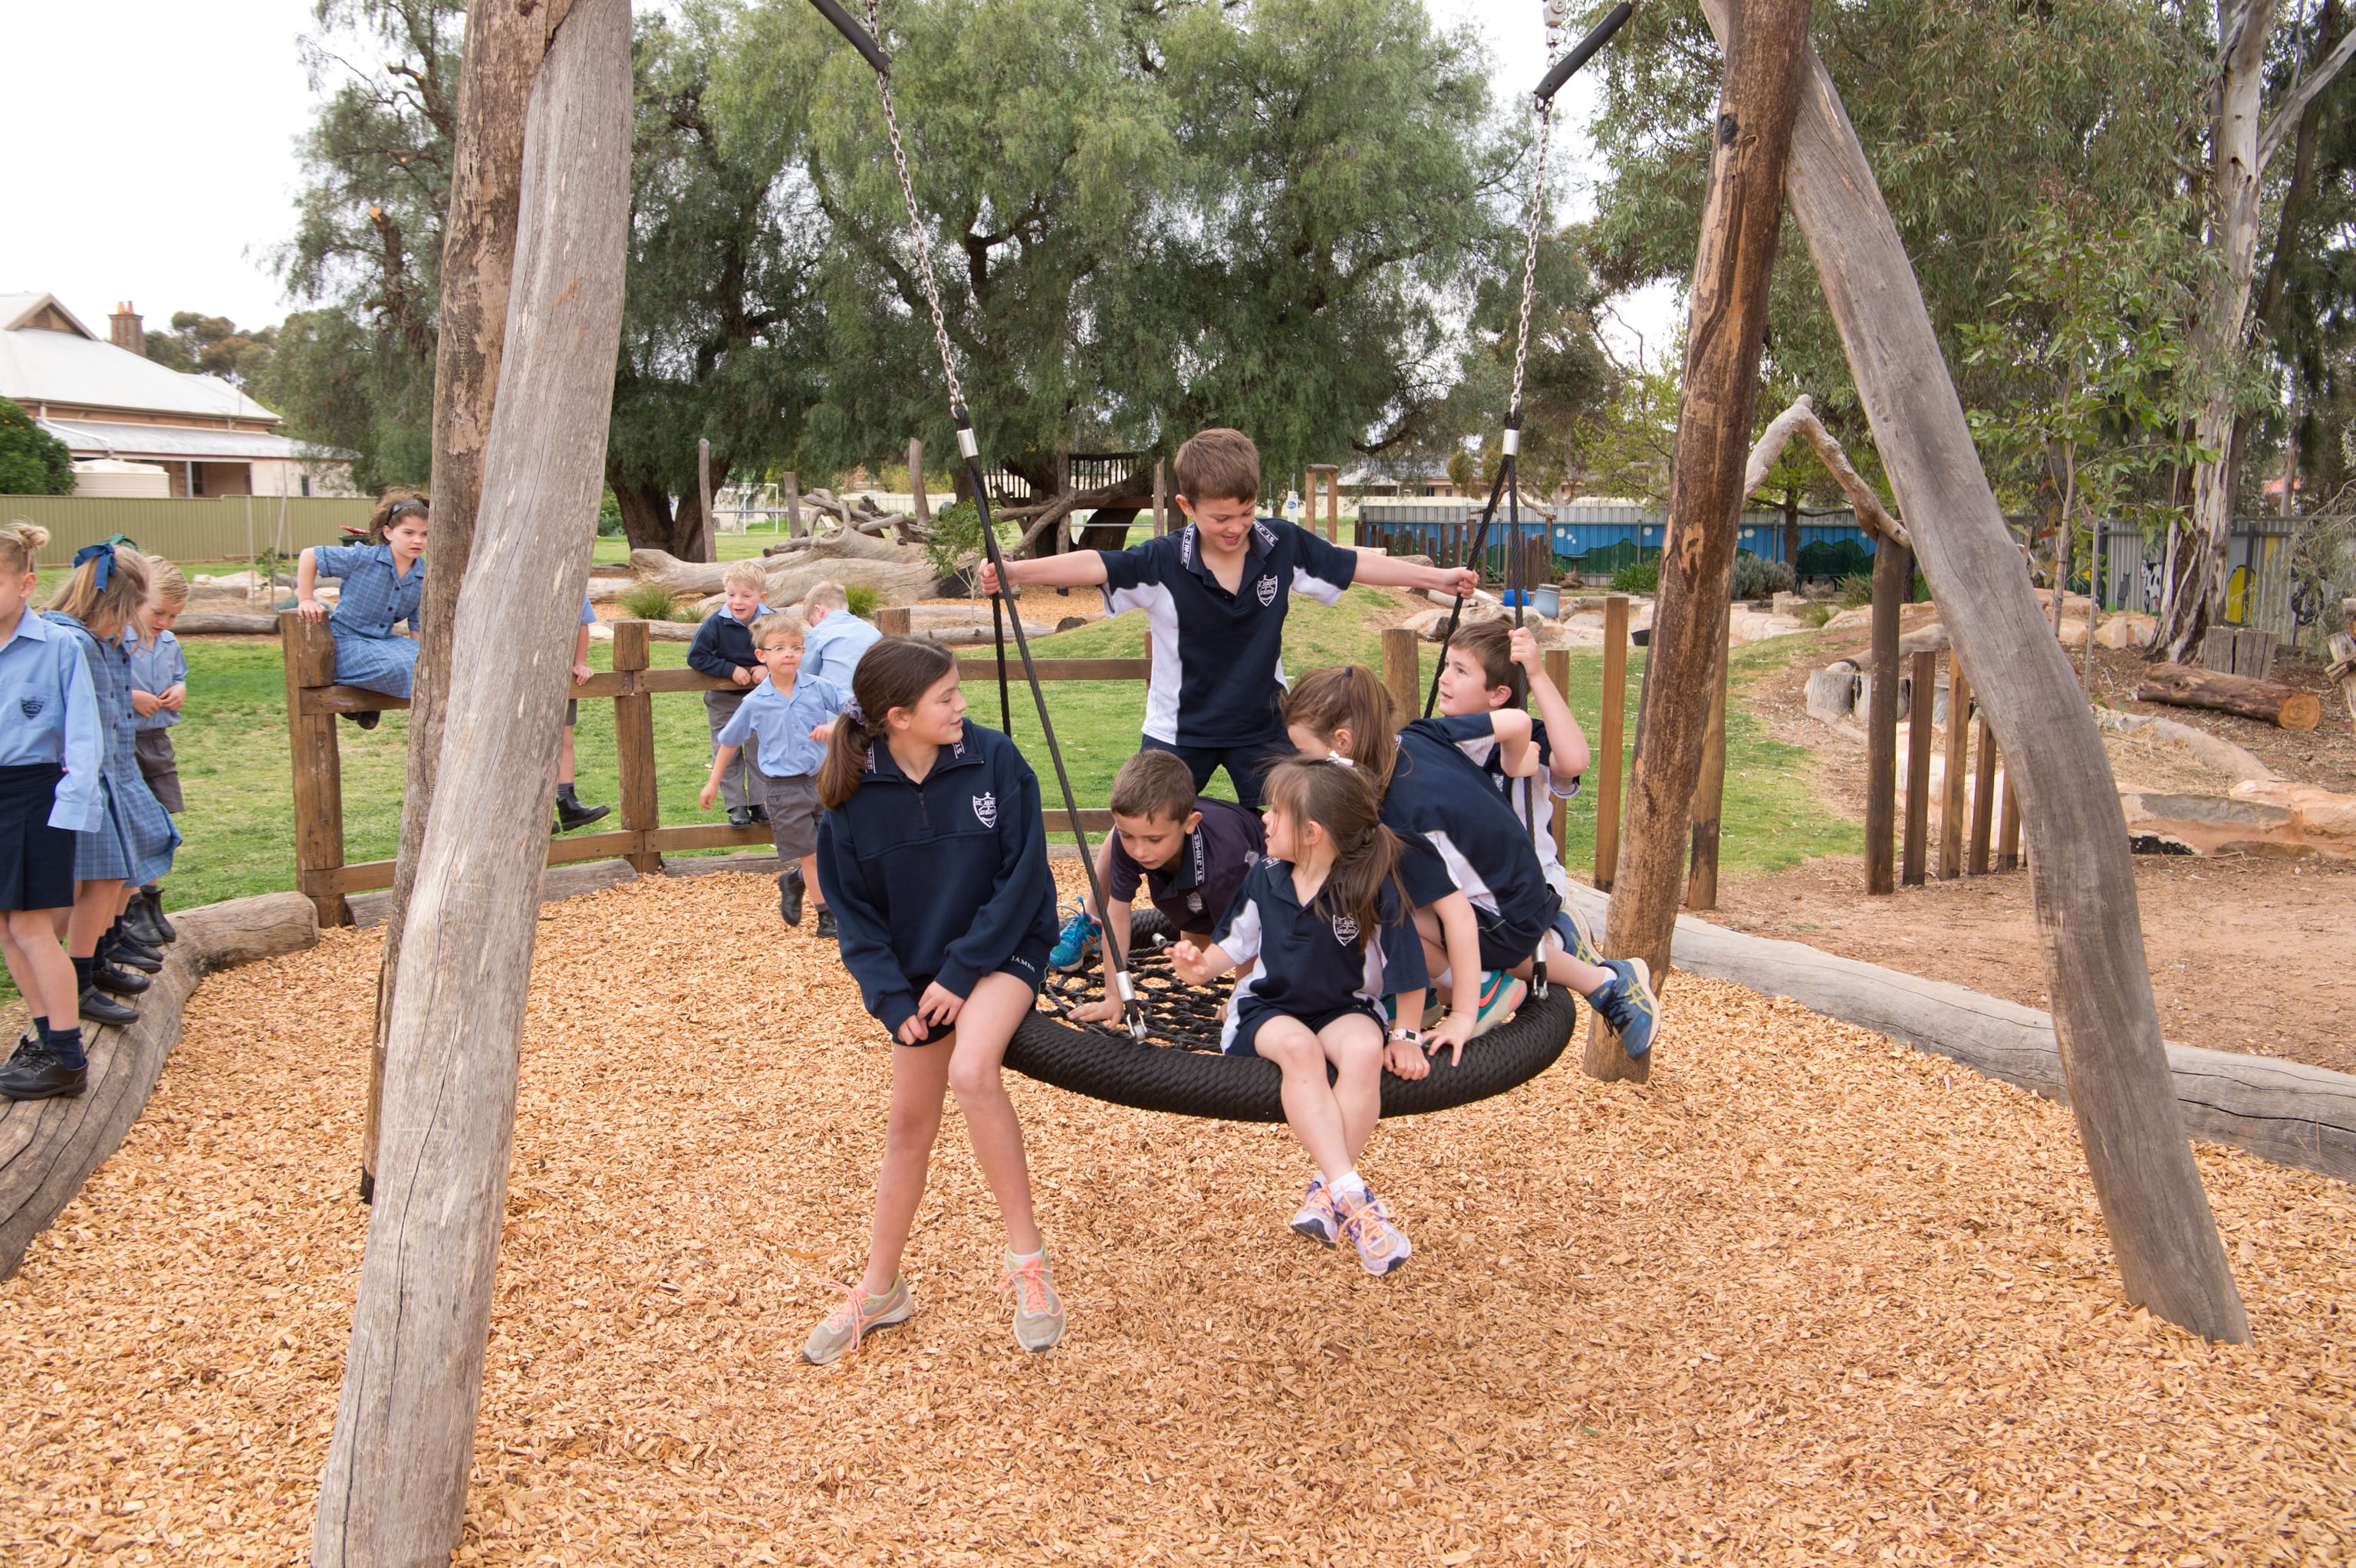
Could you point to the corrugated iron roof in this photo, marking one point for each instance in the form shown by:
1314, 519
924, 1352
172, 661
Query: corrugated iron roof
183, 443
40, 366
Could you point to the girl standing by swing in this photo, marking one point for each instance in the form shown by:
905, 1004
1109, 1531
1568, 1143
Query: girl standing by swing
384, 582
934, 858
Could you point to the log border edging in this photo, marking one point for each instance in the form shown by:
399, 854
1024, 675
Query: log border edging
2285, 1112
50, 1147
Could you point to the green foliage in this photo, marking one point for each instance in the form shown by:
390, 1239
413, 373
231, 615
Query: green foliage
1755, 578
1817, 615
338, 384
649, 601
1969, 113
213, 345
955, 547
32, 461
1855, 591
861, 598
1638, 576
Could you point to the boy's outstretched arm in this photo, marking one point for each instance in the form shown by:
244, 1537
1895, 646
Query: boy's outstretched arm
1387, 571
1566, 755
1080, 569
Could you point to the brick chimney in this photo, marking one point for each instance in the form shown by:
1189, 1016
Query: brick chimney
123, 329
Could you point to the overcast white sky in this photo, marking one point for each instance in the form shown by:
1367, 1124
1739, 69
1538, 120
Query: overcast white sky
166, 136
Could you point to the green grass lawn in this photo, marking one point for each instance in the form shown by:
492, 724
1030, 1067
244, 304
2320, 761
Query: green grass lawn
238, 827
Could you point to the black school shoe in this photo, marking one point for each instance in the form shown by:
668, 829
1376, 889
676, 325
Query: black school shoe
739, 817
826, 922
126, 952
760, 813
571, 814
789, 895
35, 1073
367, 721
105, 977
101, 1008
152, 927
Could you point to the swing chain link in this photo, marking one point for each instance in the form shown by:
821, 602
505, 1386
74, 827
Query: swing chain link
915, 225
1538, 209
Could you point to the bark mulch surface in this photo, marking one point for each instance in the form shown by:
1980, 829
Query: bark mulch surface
1808, 1297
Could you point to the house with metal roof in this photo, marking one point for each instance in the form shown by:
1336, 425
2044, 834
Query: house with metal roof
110, 403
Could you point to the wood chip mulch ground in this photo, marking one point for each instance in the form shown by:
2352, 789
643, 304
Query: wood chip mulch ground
1808, 1297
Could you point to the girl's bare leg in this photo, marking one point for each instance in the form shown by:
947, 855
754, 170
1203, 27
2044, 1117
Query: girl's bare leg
993, 1012
919, 1075
42, 971
94, 908
1309, 1104
1355, 1046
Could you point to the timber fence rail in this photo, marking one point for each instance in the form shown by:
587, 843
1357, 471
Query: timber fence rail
315, 702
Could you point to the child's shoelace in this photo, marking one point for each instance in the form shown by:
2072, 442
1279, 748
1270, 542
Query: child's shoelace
1029, 1283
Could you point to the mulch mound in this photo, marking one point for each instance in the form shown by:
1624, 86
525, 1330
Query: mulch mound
1810, 1296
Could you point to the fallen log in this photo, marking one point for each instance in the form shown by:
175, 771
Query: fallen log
2184, 686
215, 624
48, 1148
2283, 1111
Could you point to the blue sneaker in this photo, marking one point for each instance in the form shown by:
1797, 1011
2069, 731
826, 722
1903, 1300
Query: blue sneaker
1626, 1002
1077, 939
1501, 994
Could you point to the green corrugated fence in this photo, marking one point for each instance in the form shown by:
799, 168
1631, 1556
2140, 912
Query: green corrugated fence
205, 527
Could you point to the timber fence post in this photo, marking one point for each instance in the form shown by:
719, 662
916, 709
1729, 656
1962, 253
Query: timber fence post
1402, 670
1921, 697
634, 746
1952, 793
1894, 574
308, 648
1983, 800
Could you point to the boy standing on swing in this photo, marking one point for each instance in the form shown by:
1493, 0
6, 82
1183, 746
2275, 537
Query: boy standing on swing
1215, 594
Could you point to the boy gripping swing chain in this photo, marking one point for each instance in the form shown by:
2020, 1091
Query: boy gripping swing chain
1215, 595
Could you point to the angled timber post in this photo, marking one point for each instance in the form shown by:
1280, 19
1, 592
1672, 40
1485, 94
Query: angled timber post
2171, 1258
1726, 334
394, 1485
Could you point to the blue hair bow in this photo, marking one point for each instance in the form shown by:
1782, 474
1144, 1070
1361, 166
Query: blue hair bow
101, 553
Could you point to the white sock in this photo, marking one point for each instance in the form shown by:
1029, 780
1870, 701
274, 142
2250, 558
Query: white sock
1349, 1184
1018, 1258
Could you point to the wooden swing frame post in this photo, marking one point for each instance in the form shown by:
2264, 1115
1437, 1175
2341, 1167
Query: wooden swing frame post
2171, 1258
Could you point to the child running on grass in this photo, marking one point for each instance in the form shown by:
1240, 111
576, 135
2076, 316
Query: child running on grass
51, 751
383, 585
934, 858
786, 717
159, 689
1214, 596
1436, 790
1323, 926
1191, 853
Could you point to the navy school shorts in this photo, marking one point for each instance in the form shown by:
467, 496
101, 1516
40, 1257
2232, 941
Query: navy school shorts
1247, 766
1027, 964
1251, 1020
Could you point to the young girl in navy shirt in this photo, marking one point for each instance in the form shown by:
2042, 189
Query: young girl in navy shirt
99, 606
1322, 927
383, 584
52, 743
934, 858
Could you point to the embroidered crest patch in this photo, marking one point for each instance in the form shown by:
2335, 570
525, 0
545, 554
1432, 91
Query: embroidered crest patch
1346, 930
1195, 903
31, 705
1267, 590
985, 809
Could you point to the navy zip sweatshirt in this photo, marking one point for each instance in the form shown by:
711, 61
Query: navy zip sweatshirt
946, 878
724, 645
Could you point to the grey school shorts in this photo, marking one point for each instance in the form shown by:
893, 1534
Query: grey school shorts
159, 767
792, 804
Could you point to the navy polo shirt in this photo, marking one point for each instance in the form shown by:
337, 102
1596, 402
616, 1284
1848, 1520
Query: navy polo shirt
1312, 961
1200, 881
1439, 792
1218, 657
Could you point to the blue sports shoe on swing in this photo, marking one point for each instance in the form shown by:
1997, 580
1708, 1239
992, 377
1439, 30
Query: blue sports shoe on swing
1079, 934
1627, 1004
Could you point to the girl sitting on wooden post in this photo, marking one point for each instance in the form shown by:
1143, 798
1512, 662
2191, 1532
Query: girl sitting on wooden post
383, 583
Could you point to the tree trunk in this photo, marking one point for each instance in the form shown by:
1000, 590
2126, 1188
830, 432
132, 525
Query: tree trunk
649, 523
505, 46
1720, 398
1791, 532
2170, 1254
2234, 170
394, 1487
2268, 701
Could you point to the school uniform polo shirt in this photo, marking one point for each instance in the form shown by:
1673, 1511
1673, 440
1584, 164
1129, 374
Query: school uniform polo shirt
1439, 792
1535, 804
1218, 657
1311, 962
50, 714
156, 667
832, 649
1194, 889
783, 722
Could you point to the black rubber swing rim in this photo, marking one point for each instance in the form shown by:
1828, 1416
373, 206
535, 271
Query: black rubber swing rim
1114, 1068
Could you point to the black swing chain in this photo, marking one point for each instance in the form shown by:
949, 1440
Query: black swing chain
1003, 598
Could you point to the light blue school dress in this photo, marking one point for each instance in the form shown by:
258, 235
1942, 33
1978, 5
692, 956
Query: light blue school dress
368, 652
134, 837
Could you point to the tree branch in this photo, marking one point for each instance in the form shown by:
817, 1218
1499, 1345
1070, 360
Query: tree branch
1802, 417
2286, 117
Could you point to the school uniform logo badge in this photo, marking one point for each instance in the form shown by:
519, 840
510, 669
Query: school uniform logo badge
1195, 903
985, 809
1266, 591
31, 705
1346, 930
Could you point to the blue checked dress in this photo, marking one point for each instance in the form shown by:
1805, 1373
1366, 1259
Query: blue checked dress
134, 837
368, 652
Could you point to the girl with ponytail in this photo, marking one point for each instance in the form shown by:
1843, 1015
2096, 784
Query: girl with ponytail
1325, 929
934, 858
